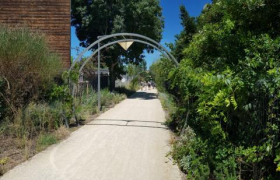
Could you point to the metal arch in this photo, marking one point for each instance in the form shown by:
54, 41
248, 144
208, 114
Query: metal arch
115, 42
109, 44
148, 41
123, 34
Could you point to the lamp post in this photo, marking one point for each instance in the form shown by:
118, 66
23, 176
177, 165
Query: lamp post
98, 77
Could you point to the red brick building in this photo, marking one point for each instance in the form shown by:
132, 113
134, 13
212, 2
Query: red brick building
51, 17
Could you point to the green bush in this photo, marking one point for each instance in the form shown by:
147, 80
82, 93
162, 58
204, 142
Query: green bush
169, 106
226, 169
109, 98
45, 140
227, 90
27, 67
188, 151
33, 119
88, 104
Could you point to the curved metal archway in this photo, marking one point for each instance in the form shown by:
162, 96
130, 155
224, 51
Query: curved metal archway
145, 40
118, 41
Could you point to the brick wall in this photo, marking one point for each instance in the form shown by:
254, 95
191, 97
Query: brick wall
51, 17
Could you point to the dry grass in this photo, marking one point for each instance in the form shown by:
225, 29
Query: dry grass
15, 150
62, 133
27, 67
11, 151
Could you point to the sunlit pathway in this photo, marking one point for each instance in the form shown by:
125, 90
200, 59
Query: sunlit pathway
127, 142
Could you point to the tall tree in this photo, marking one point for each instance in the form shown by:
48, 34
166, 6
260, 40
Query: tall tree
184, 38
102, 17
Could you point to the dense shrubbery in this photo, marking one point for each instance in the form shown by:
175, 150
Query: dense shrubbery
227, 91
43, 117
27, 68
88, 104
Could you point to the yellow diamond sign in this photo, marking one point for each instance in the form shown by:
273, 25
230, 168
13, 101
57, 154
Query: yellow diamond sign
125, 45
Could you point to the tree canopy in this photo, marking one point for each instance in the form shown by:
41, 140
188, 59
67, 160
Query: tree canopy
103, 17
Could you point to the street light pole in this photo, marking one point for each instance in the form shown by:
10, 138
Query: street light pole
98, 93
98, 72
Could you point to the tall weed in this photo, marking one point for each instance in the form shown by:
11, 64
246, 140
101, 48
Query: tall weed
27, 67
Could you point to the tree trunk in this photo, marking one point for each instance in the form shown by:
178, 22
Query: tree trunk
112, 78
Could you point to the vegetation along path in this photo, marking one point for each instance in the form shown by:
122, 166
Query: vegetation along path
128, 142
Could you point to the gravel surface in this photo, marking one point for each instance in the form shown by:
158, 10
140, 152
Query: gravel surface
128, 142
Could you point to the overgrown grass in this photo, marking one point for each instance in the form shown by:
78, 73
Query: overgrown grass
88, 104
168, 104
108, 98
27, 69
45, 140
35, 118
32, 120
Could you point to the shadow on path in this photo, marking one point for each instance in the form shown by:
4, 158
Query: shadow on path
155, 127
127, 120
127, 125
144, 95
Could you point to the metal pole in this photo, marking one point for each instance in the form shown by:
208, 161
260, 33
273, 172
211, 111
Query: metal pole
99, 103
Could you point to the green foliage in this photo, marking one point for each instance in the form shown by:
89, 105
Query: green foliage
45, 140
169, 106
3, 162
277, 160
97, 18
135, 70
159, 72
108, 98
27, 70
226, 170
188, 151
227, 90
88, 105
137, 73
36, 118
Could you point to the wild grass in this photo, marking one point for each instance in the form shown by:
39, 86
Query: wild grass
27, 69
45, 140
168, 103
88, 105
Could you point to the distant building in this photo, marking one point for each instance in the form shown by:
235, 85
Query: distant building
93, 79
51, 17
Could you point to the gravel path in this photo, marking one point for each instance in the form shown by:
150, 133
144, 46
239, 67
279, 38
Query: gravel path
128, 142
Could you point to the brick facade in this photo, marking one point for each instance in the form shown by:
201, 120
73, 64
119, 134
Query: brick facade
51, 17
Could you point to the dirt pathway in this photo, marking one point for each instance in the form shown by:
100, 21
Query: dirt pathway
128, 142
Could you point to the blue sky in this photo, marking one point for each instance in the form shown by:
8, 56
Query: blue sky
172, 21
